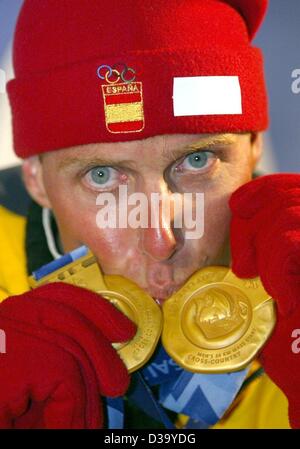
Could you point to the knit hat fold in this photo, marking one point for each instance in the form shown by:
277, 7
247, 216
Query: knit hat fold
101, 71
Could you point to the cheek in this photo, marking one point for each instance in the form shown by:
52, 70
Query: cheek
216, 222
217, 214
216, 227
217, 218
112, 247
78, 226
238, 172
76, 216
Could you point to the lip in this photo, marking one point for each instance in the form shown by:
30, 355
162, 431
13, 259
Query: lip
160, 295
160, 301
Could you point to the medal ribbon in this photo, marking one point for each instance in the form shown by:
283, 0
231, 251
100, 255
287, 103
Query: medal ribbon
204, 398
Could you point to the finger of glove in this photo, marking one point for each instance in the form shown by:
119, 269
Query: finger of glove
40, 381
242, 244
294, 414
33, 366
111, 372
65, 408
247, 200
283, 287
278, 260
281, 361
264, 193
113, 324
6, 419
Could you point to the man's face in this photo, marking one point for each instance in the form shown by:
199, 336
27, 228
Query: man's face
159, 259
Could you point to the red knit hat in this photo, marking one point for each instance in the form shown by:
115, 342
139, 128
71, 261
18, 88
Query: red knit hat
89, 71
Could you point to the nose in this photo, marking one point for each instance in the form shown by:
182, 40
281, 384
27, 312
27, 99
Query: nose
160, 240
158, 243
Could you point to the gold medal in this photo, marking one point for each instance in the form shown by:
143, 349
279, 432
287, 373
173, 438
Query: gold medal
217, 322
126, 296
143, 310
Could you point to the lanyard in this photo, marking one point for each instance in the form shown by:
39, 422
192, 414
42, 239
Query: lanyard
204, 398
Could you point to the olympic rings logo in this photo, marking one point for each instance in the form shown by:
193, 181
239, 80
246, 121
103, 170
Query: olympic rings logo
112, 75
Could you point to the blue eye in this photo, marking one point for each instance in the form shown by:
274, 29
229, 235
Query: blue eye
100, 175
198, 160
102, 178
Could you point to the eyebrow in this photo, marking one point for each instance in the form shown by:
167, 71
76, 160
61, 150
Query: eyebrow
174, 154
202, 144
86, 162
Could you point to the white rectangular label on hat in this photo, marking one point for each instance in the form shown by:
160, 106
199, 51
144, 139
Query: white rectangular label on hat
207, 95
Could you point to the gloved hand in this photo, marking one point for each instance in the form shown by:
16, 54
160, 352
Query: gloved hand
59, 358
265, 242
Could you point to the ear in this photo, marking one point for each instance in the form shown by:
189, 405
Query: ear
257, 142
33, 179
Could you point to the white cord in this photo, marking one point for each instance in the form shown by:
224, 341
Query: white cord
46, 215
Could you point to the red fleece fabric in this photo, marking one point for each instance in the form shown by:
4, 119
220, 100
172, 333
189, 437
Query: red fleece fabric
59, 359
56, 97
265, 242
282, 365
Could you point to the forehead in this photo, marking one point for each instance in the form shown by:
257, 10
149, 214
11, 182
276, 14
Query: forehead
165, 147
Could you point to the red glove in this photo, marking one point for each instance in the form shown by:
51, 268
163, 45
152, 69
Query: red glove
59, 358
265, 242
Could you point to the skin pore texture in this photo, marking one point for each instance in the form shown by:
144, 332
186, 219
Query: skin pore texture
161, 259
